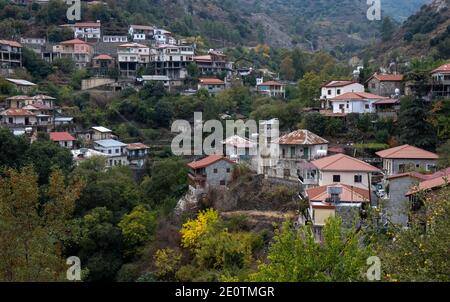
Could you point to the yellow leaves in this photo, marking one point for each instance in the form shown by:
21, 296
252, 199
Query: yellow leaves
166, 261
193, 229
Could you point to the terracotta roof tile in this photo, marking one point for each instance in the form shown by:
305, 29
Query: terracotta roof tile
349, 193
407, 151
338, 83
17, 112
207, 161
342, 162
387, 77
61, 136
211, 81
137, 146
358, 96
437, 180
444, 68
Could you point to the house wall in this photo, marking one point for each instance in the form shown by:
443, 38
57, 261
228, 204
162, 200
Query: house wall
397, 206
214, 179
18, 120
354, 106
98, 136
355, 87
386, 88
66, 144
392, 166
348, 178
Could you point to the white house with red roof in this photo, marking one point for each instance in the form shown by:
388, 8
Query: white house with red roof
407, 158
211, 171
441, 81
341, 168
336, 88
64, 139
355, 102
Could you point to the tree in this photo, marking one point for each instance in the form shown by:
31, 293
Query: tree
168, 180
45, 156
13, 149
444, 155
31, 235
295, 256
192, 230
440, 119
387, 29
286, 69
419, 253
137, 228
413, 126
309, 87
38, 68
315, 122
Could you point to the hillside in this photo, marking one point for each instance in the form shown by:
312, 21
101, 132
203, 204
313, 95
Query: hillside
309, 24
425, 33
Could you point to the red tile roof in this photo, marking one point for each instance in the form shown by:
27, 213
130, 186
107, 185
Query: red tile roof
342, 162
349, 193
103, 57
444, 68
72, 42
207, 161
338, 83
388, 102
435, 181
387, 77
416, 175
17, 112
358, 96
206, 58
61, 136
211, 81
301, 137
407, 151
133, 45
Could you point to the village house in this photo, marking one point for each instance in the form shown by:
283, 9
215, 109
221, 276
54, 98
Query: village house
336, 88
239, 149
87, 31
403, 196
140, 33
44, 115
22, 86
341, 200
115, 38
387, 108
131, 56
162, 36
268, 149
10, 55
211, 171
83, 154
18, 120
137, 154
341, 168
165, 80
77, 50
20, 101
114, 150
103, 64
296, 150
100, 133
211, 84
172, 61
441, 81
387, 85
407, 158
64, 139
214, 62
271, 88
36, 44
355, 102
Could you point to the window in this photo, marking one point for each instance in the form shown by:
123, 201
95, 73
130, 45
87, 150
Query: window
117, 151
336, 178
338, 91
329, 92
358, 178
367, 106
109, 151
222, 182
215, 171
228, 170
